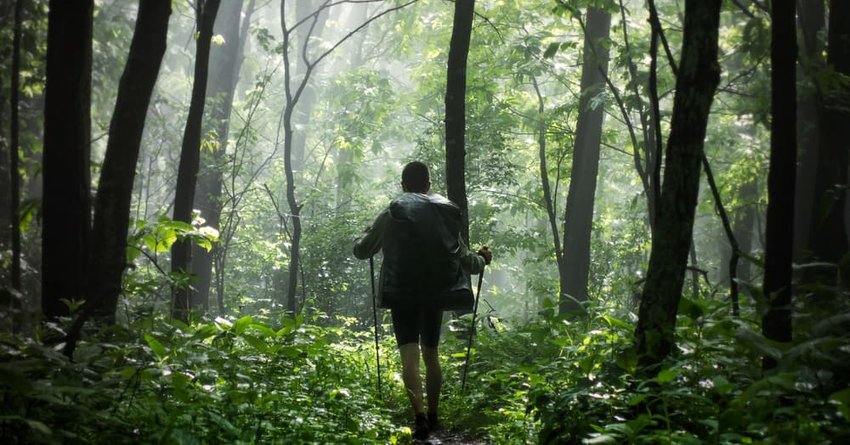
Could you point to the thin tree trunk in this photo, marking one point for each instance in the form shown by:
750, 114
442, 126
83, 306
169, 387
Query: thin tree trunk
549, 202
698, 76
294, 92
115, 188
184, 194
643, 164
578, 215
225, 64
456, 110
776, 322
66, 203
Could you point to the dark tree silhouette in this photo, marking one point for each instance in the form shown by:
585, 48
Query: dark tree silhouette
225, 62
776, 322
66, 203
578, 215
456, 110
184, 194
12, 175
698, 76
811, 22
828, 238
115, 188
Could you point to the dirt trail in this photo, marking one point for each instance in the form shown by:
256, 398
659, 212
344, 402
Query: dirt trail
450, 438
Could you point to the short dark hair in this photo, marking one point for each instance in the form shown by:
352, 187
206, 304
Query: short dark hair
415, 177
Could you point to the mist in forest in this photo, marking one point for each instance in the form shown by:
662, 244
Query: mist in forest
662, 185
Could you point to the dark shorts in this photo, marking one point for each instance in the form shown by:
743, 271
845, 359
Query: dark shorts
416, 324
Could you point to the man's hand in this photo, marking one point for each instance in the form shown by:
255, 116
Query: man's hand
485, 252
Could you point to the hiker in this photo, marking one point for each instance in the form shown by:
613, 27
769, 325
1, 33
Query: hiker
425, 259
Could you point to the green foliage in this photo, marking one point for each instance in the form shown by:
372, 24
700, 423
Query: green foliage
229, 380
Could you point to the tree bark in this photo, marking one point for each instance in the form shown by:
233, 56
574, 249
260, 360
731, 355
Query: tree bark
779, 231
225, 63
745, 222
456, 110
12, 175
7, 21
828, 237
578, 215
698, 76
66, 203
811, 22
115, 188
184, 194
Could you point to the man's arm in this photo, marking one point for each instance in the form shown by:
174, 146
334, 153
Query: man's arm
474, 262
369, 243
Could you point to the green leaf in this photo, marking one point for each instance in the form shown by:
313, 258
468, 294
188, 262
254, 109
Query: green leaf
640, 423
666, 375
241, 324
691, 308
843, 399
255, 342
551, 50
156, 346
34, 424
38, 426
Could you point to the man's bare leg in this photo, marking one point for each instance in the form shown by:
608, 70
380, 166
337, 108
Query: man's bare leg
433, 377
410, 375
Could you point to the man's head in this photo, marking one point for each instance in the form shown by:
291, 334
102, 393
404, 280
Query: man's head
415, 178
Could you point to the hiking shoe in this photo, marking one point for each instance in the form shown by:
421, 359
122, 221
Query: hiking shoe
433, 423
421, 431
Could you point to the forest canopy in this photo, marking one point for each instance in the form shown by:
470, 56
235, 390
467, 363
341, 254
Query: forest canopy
662, 183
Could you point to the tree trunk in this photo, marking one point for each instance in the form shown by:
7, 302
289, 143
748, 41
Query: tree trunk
115, 188
745, 222
456, 110
549, 201
12, 175
225, 63
776, 322
66, 203
578, 215
184, 194
290, 161
828, 236
7, 21
811, 22
698, 76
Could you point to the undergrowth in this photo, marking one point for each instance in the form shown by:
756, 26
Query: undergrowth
554, 380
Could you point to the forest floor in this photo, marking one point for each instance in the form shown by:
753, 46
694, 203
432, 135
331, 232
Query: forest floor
450, 438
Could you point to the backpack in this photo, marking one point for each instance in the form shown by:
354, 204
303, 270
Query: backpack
422, 250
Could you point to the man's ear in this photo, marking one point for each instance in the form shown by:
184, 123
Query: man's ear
427, 187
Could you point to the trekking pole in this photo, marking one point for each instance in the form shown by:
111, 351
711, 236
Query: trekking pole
471, 333
375, 315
